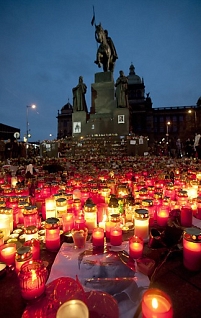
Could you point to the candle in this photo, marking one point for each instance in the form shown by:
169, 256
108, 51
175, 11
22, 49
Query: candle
135, 247
52, 234
30, 216
73, 308
156, 304
107, 229
5, 225
142, 224
50, 207
23, 255
35, 248
162, 216
186, 216
80, 223
61, 207
192, 249
31, 232
7, 253
116, 236
67, 221
90, 215
79, 237
32, 278
98, 237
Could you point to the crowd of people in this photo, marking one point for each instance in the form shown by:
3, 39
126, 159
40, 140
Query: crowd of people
16, 149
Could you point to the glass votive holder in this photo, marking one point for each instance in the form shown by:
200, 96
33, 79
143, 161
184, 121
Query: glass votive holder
156, 303
73, 308
7, 254
67, 222
162, 216
142, 224
192, 249
52, 234
23, 255
79, 237
35, 248
5, 225
98, 237
31, 232
136, 245
30, 214
32, 278
186, 216
116, 236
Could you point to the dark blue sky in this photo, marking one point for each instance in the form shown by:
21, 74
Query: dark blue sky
47, 44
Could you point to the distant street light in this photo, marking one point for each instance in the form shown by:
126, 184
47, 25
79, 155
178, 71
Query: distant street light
27, 124
167, 131
190, 111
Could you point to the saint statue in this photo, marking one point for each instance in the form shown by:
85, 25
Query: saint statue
121, 90
79, 102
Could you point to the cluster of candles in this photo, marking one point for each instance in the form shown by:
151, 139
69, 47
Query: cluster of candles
104, 205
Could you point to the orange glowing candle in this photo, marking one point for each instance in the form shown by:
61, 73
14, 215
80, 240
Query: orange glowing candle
135, 247
156, 304
98, 237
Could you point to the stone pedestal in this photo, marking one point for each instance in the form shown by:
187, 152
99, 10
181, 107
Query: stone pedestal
102, 93
79, 123
121, 121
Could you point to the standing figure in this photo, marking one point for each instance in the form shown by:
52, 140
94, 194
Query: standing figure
79, 102
121, 90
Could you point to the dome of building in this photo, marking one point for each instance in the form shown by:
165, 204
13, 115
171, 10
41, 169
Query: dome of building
68, 106
132, 77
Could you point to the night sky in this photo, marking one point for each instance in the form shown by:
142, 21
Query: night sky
47, 44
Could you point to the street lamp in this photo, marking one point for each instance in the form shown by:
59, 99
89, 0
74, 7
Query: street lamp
27, 124
167, 131
195, 117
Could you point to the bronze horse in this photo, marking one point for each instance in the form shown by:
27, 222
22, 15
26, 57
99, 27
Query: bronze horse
104, 55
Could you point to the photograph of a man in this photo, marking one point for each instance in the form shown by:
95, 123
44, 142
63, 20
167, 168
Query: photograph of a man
106, 272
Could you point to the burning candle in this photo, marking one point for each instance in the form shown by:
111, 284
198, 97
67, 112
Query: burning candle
5, 225
52, 234
142, 224
50, 207
186, 216
162, 215
7, 253
192, 249
30, 216
73, 308
32, 278
90, 215
135, 247
79, 237
116, 236
80, 223
61, 207
156, 304
31, 232
98, 237
67, 222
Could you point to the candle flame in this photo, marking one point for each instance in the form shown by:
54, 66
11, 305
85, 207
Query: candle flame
33, 275
154, 303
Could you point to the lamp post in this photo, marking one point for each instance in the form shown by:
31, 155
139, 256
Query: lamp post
195, 118
167, 131
27, 124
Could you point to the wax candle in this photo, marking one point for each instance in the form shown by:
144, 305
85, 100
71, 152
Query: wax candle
98, 237
50, 207
23, 255
35, 248
30, 215
107, 229
90, 215
52, 234
32, 278
192, 249
142, 224
61, 207
156, 304
7, 253
67, 221
79, 237
116, 236
5, 225
186, 216
80, 222
162, 215
135, 247
73, 308
31, 232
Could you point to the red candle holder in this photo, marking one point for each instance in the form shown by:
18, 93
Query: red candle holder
35, 248
98, 237
192, 249
32, 279
157, 304
136, 245
52, 234
116, 236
